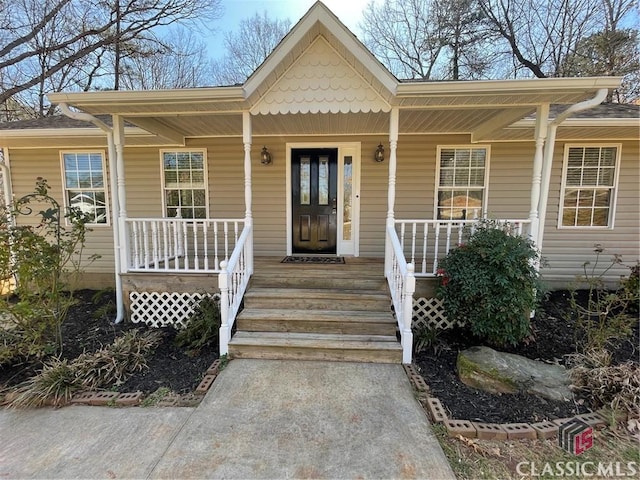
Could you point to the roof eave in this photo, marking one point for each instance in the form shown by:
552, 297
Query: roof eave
141, 97
584, 122
476, 87
66, 132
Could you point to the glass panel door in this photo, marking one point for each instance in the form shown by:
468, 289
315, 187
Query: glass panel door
314, 182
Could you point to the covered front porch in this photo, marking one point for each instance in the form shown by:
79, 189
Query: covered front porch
220, 251
340, 115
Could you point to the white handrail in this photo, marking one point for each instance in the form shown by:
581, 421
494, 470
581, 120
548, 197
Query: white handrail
180, 245
426, 242
233, 281
402, 285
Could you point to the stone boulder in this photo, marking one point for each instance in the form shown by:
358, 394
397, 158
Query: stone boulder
498, 372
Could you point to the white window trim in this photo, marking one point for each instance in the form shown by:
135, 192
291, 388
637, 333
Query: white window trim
205, 161
485, 194
105, 187
614, 193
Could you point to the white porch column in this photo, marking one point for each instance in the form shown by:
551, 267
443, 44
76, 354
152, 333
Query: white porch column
542, 121
119, 141
246, 140
391, 189
7, 189
393, 146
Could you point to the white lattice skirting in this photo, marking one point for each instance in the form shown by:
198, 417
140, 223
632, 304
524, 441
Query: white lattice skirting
161, 309
429, 313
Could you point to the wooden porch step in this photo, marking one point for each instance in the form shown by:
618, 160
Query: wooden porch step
317, 299
316, 321
319, 279
305, 346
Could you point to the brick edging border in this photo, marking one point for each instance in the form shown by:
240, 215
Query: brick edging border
133, 399
491, 431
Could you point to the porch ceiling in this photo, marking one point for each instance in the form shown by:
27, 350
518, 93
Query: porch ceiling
432, 121
484, 124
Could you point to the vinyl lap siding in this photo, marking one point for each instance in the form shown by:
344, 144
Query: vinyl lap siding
26, 166
142, 180
510, 171
226, 183
374, 178
509, 182
566, 250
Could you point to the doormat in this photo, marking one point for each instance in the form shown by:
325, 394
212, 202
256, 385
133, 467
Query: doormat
320, 260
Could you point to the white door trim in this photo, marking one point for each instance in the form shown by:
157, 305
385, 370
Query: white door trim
344, 148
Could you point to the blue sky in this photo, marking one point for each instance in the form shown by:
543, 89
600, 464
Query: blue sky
348, 11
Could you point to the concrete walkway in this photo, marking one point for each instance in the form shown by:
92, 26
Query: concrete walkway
261, 419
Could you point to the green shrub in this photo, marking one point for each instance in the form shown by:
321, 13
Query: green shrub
203, 327
490, 284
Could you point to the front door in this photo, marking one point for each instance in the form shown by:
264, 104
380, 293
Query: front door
314, 175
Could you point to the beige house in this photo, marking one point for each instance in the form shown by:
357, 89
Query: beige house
322, 152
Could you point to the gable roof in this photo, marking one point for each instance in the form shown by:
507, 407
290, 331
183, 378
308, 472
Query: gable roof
322, 49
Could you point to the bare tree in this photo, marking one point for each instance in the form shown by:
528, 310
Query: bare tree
85, 30
176, 62
613, 50
464, 33
404, 37
427, 39
248, 47
541, 35
563, 38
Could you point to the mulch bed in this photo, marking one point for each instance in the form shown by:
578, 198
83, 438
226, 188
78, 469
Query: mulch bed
553, 338
83, 331
172, 367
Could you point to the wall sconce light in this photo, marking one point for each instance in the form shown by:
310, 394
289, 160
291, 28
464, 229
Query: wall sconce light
379, 155
265, 156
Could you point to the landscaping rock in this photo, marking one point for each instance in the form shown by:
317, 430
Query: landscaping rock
498, 372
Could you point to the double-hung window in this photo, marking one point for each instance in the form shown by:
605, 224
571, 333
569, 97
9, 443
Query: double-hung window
589, 178
85, 184
184, 178
461, 182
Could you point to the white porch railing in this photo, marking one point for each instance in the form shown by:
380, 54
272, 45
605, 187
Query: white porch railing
232, 281
173, 245
426, 242
402, 285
